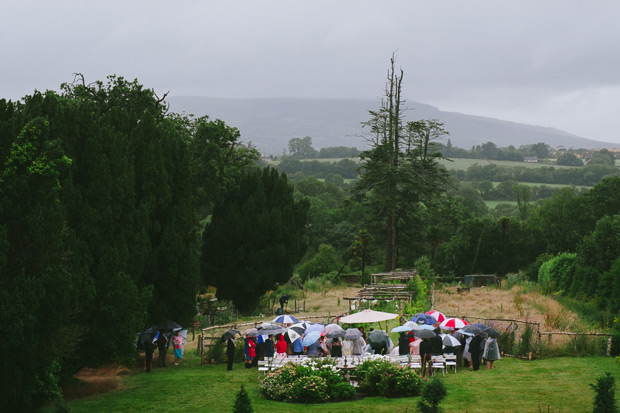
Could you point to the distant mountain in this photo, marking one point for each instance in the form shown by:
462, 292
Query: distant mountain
269, 123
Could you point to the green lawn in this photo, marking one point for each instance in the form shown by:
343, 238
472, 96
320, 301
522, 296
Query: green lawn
514, 386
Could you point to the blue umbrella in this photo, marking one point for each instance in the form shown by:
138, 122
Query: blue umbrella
315, 327
311, 338
426, 327
422, 318
285, 319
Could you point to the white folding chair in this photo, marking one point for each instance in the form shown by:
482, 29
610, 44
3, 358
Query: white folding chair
450, 360
439, 363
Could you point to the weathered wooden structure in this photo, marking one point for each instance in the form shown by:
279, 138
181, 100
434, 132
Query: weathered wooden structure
387, 286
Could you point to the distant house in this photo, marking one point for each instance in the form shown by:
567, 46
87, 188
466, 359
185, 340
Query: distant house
530, 159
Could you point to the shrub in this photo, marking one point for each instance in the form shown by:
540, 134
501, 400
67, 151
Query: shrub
605, 400
309, 389
382, 378
342, 391
311, 381
242, 402
432, 394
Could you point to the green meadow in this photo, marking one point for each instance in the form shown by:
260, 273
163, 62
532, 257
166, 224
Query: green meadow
560, 384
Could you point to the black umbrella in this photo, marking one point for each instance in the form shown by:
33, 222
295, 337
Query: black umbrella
334, 332
378, 338
229, 334
271, 330
148, 335
352, 334
472, 329
424, 333
167, 325
491, 332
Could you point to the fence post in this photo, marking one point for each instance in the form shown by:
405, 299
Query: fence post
609, 346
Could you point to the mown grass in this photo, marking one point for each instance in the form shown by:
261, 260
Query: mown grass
464, 163
513, 386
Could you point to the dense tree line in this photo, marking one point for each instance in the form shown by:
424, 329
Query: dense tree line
100, 195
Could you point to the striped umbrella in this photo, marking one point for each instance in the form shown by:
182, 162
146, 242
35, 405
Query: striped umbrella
285, 319
437, 315
453, 323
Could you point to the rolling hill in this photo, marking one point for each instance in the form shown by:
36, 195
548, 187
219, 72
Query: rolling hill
269, 123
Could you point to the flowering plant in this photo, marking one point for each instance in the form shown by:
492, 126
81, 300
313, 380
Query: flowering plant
310, 389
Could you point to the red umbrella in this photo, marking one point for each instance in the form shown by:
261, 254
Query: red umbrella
453, 324
437, 315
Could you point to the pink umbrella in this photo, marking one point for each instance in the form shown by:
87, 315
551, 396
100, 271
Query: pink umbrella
437, 315
453, 324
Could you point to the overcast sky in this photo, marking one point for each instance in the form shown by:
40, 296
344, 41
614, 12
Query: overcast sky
550, 63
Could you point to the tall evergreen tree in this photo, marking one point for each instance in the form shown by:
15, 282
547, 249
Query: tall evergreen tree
256, 235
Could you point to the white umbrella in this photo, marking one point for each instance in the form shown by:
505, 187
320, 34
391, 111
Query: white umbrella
449, 340
452, 324
408, 326
368, 316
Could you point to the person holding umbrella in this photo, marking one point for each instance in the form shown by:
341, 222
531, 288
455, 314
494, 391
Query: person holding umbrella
491, 350
162, 347
269, 347
281, 346
474, 349
230, 352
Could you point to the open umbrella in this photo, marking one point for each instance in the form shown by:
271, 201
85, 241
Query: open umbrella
449, 340
437, 315
315, 327
148, 335
368, 316
311, 338
167, 325
335, 332
298, 327
422, 318
491, 332
270, 329
292, 334
251, 332
453, 324
352, 334
426, 327
424, 333
229, 334
378, 338
473, 329
408, 326
285, 319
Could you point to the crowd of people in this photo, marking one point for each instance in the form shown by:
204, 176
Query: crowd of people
161, 341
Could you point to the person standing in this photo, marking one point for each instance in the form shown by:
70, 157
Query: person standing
336, 347
426, 349
177, 343
474, 349
281, 346
162, 348
403, 344
298, 347
149, 349
230, 352
269, 347
491, 352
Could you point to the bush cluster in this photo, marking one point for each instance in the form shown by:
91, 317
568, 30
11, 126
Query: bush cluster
380, 377
311, 381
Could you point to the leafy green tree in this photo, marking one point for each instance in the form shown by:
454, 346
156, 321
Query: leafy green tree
302, 148
569, 159
323, 262
256, 235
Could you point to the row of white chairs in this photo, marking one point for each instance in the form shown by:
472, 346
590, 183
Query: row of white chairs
442, 363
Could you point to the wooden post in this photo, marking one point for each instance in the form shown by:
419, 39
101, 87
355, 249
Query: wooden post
609, 346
